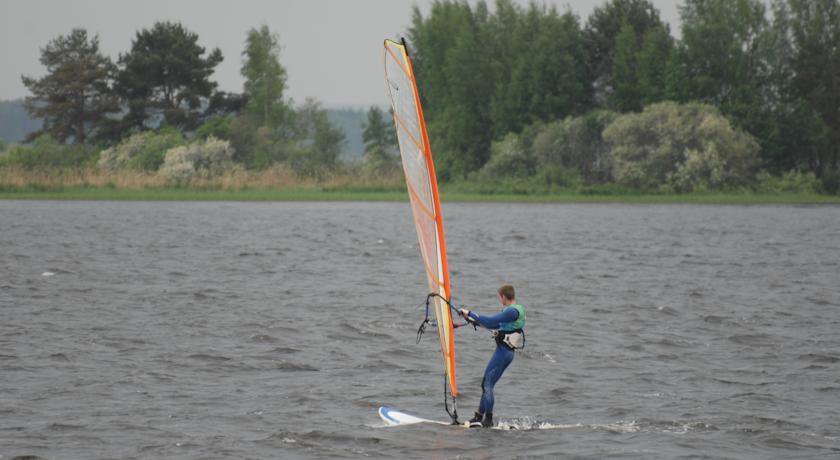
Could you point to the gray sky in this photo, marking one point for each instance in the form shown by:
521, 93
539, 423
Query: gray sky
332, 49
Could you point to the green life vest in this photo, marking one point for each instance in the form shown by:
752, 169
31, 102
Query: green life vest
515, 325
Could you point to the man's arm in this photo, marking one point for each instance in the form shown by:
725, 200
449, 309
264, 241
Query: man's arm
508, 315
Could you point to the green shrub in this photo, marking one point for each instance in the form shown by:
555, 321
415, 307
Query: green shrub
607, 189
254, 146
508, 158
304, 161
269, 149
46, 152
558, 177
500, 186
142, 151
380, 161
791, 181
680, 148
310, 159
218, 126
314, 143
201, 159
576, 143
830, 181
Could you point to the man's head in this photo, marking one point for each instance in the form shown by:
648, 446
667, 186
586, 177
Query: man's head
506, 294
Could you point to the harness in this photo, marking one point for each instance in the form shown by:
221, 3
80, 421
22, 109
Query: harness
512, 334
512, 340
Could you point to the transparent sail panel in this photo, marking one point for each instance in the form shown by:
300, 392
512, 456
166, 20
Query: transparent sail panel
422, 191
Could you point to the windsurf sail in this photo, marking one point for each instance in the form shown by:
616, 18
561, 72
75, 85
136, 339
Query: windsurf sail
422, 187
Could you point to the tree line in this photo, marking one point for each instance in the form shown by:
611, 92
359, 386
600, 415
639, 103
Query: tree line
748, 93
771, 71
160, 94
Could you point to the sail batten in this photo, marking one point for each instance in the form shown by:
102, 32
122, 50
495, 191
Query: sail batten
401, 124
423, 193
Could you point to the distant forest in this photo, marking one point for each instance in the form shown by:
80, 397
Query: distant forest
749, 85
515, 97
158, 110
16, 123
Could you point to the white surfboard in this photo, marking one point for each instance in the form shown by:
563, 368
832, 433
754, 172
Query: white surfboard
394, 417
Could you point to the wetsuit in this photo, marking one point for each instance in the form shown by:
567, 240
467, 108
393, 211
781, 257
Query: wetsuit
501, 358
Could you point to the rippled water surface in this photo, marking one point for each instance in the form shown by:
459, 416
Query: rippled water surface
266, 330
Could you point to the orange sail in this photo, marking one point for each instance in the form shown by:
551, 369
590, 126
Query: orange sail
422, 187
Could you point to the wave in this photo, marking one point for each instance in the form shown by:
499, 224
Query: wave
207, 357
284, 350
755, 340
295, 367
820, 358
357, 332
618, 427
263, 338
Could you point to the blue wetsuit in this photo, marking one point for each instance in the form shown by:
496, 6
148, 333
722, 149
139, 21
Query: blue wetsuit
501, 359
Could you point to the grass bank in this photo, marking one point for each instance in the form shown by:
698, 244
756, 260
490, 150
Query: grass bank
188, 194
279, 184
327, 194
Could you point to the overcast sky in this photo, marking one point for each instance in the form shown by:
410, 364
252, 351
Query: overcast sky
332, 49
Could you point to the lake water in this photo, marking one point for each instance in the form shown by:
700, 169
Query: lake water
275, 330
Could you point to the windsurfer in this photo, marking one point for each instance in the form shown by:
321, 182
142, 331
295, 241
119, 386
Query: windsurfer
508, 331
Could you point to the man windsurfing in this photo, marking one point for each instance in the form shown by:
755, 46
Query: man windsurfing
509, 334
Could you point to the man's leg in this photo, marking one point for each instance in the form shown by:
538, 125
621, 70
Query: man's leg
495, 368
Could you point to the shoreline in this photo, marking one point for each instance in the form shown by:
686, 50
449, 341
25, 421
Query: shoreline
316, 194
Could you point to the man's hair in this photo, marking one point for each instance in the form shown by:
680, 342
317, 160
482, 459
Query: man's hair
507, 292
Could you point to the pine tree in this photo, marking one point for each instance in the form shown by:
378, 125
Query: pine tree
75, 97
165, 78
